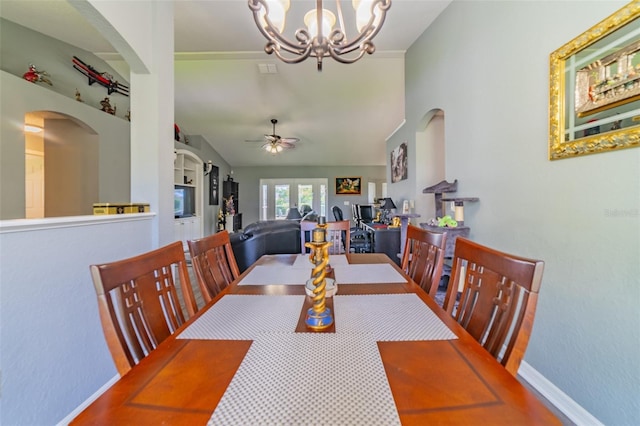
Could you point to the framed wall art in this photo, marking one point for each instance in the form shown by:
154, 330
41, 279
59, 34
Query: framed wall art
348, 185
399, 163
214, 186
594, 88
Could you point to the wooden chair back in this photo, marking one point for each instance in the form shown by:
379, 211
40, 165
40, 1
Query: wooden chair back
338, 233
423, 257
138, 303
497, 305
214, 263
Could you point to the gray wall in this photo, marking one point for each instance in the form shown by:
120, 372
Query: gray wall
486, 65
249, 181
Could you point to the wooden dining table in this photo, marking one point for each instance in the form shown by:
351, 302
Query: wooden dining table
451, 381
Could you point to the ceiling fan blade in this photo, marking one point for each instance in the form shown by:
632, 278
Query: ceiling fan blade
287, 145
290, 140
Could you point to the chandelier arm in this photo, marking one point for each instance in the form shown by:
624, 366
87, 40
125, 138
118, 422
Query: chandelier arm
275, 48
369, 30
273, 36
340, 17
346, 60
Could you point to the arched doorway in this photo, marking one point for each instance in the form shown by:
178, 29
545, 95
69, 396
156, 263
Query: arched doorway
431, 154
61, 166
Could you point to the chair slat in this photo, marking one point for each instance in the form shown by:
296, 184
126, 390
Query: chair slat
214, 263
138, 302
338, 233
498, 300
423, 257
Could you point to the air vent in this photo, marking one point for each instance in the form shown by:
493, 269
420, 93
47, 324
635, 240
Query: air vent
267, 68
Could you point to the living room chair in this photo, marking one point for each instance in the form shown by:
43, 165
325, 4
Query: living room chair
423, 258
138, 302
214, 263
498, 299
359, 239
338, 233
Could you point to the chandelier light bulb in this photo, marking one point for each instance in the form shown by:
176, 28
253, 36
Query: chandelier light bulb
311, 21
363, 13
277, 13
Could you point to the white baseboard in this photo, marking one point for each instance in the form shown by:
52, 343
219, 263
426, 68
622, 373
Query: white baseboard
555, 396
72, 415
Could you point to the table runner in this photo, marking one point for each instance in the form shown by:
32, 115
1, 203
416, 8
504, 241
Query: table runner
276, 274
375, 273
236, 317
389, 317
309, 378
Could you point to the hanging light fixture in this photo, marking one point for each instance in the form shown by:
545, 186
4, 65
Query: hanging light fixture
273, 148
319, 39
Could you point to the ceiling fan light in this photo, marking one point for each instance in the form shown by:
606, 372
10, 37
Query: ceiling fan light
278, 148
311, 21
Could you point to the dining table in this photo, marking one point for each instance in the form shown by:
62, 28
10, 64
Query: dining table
392, 356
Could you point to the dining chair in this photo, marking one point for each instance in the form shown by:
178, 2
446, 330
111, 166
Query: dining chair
498, 297
423, 257
138, 302
338, 233
214, 263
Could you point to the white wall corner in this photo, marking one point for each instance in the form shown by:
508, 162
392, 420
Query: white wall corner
574, 411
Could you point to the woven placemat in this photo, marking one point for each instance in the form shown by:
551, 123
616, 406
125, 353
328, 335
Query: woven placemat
236, 317
389, 317
309, 379
276, 274
375, 273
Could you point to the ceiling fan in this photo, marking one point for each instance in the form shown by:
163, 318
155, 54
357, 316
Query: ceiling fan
275, 144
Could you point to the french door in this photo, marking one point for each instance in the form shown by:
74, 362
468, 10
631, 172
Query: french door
278, 195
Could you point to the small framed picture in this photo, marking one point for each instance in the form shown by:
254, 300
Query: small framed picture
348, 186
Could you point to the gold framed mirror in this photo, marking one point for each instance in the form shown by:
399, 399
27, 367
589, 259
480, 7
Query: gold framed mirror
594, 96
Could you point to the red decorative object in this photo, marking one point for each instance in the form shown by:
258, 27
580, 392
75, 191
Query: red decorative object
101, 78
36, 76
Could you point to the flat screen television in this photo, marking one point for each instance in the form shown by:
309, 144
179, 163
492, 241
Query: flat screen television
184, 201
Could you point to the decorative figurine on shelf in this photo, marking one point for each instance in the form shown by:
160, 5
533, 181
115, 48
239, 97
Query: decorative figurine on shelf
221, 221
102, 78
229, 206
36, 76
395, 222
106, 106
319, 316
78, 96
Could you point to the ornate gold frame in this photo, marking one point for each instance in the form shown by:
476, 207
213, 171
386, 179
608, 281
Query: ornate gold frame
559, 147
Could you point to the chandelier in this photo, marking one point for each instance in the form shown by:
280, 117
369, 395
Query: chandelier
320, 39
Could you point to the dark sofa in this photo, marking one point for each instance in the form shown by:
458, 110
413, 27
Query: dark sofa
283, 237
265, 237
